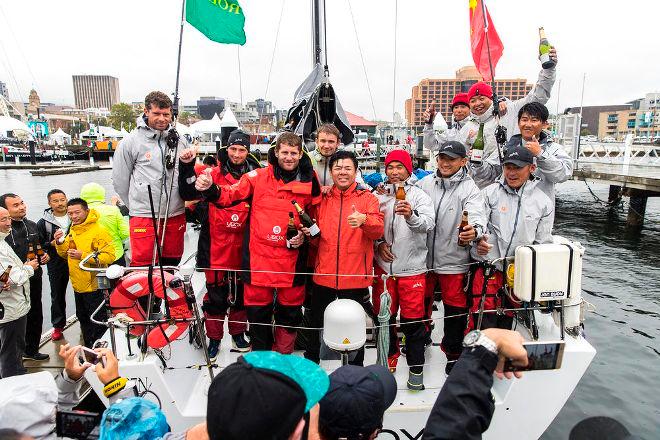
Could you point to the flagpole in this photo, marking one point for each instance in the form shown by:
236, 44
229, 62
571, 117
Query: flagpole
490, 62
175, 106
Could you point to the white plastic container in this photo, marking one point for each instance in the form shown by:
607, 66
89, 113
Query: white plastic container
344, 325
548, 272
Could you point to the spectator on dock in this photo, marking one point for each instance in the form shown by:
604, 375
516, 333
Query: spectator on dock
85, 236
401, 253
350, 220
15, 300
519, 213
460, 110
110, 218
24, 239
53, 219
148, 157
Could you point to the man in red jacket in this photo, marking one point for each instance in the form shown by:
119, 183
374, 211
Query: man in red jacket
272, 263
350, 220
220, 241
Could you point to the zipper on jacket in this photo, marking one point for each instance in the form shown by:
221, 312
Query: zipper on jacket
435, 231
341, 205
392, 229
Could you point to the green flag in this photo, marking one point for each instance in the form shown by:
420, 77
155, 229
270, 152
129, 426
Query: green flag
220, 20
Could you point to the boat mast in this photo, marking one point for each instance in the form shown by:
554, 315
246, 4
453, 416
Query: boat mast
175, 104
318, 35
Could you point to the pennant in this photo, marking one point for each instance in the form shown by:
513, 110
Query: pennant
221, 21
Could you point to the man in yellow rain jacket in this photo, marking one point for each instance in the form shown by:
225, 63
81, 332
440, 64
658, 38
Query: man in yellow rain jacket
85, 236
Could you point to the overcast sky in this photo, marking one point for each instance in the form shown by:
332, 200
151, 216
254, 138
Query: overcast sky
614, 42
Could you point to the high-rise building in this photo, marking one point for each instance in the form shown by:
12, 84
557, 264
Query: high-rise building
207, 106
442, 91
3, 90
98, 91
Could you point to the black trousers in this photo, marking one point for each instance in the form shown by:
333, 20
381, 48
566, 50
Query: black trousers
86, 303
35, 317
261, 336
12, 346
454, 330
321, 298
59, 280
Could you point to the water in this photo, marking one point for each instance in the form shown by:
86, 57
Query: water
620, 279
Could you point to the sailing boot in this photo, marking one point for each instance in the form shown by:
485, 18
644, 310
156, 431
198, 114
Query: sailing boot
239, 343
214, 348
415, 381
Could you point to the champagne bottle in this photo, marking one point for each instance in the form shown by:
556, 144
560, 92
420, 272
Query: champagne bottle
306, 220
31, 255
291, 230
431, 113
4, 278
478, 146
544, 50
464, 223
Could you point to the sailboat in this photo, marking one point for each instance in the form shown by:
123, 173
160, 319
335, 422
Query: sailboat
176, 372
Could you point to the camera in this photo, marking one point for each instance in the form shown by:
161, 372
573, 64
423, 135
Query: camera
172, 142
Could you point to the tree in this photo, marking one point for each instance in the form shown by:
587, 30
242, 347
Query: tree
585, 132
122, 114
188, 118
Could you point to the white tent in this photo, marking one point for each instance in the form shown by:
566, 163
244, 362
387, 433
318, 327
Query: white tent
207, 128
14, 127
103, 132
183, 129
123, 132
60, 137
229, 119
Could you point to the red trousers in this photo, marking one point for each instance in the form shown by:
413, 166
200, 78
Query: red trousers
405, 292
217, 301
142, 239
492, 301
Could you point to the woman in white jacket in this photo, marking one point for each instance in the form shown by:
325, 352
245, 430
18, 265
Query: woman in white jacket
15, 303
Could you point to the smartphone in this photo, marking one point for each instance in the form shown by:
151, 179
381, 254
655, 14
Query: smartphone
540, 356
77, 424
88, 355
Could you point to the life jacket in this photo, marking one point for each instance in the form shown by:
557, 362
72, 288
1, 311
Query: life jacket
124, 299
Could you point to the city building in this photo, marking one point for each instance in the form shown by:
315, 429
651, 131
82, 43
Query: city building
591, 115
360, 124
99, 91
188, 109
207, 106
442, 91
34, 103
3, 90
260, 106
641, 119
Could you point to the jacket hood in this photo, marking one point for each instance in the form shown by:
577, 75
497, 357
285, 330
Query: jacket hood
516, 139
143, 128
3, 235
49, 216
356, 187
92, 192
305, 166
482, 118
459, 176
92, 217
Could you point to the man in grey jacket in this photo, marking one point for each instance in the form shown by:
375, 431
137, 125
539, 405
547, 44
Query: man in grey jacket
148, 156
460, 110
402, 253
480, 97
519, 213
453, 191
15, 301
553, 165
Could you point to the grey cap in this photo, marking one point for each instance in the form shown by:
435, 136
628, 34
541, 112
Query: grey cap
452, 149
519, 156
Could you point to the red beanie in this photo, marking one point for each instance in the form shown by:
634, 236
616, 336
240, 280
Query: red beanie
460, 98
480, 89
399, 156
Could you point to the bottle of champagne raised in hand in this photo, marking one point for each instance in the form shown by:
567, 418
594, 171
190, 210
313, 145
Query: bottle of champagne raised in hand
291, 230
478, 146
306, 220
544, 50
464, 223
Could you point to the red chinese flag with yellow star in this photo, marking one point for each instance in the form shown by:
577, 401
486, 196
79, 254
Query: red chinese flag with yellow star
478, 35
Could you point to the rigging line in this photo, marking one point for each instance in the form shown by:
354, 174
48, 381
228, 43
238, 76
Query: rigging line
10, 71
325, 39
270, 69
396, 24
364, 67
20, 50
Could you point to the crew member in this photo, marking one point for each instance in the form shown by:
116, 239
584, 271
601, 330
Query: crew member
15, 299
350, 221
452, 191
147, 157
401, 253
519, 213
220, 241
480, 97
460, 110
85, 236
54, 218
327, 143
274, 263
23, 237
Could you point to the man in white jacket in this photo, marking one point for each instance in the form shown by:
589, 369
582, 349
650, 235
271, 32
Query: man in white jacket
402, 253
15, 301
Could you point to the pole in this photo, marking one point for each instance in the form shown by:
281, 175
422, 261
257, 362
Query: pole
584, 77
318, 33
240, 77
557, 110
175, 105
396, 24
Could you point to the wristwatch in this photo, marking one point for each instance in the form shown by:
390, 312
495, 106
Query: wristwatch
476, 338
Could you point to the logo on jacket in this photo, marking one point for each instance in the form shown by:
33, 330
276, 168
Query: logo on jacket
417, 285
147, 155
234, 217
503, 208
276, 229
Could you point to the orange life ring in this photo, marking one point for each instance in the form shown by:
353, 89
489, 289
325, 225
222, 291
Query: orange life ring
124, 299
